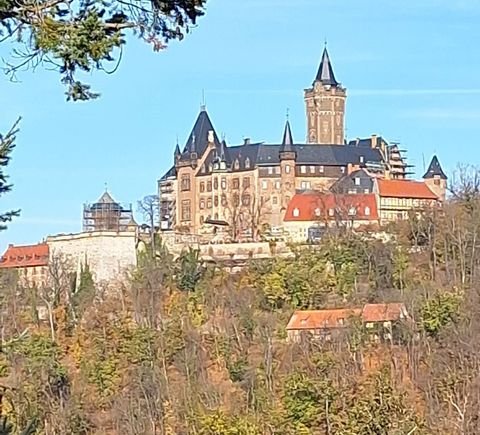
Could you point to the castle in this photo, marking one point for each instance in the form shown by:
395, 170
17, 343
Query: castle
250, 186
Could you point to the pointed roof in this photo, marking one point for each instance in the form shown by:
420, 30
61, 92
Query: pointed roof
106, 199
435, 170
325, 73
287, 141
198, 140
177, 150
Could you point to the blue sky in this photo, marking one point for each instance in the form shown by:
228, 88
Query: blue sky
411, 70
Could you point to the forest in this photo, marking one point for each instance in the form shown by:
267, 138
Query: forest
184, 347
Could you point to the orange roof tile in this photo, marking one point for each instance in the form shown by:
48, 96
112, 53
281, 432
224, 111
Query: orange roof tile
321, 319
404, 189
25, 256
327, 206
337, 318
384, 312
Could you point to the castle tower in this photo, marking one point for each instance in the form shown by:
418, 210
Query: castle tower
436, 179
288, 157
325, 106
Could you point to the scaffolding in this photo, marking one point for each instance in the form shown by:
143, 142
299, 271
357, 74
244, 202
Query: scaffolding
107, 215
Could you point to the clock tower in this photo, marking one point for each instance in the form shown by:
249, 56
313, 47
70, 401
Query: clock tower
325, 106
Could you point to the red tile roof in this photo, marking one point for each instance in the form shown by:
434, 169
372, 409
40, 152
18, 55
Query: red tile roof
25, 256
384, 312
321, 319
320, 206
404, 189
329, 319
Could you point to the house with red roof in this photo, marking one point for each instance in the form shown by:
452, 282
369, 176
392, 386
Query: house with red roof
309, 211
398, 198
378, 319
29, 261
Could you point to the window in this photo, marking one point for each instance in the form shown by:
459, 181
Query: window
202, 186
236, 183
215, 183
303, 169
246, 200
357, 181
209, 186
215, 201
201, 220
202, 204
209, 203
186, 210
264, 184
270, 170
317, 212
203, 168
305, 185
366, 190
246, 182
278, 185
185, 183
236, 199
341, 321
236, 165
312, 169
436, 182
362, 159
274, 200
296, 212
367, 211
247, 163
287, 169
224, 183
331, 212
342, 169
352, 211
321, 169
277, 170
224, 201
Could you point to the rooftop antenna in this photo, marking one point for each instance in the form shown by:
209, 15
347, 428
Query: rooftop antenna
203, 105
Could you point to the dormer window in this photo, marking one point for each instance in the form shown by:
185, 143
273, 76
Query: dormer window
352, 211
247, 163
236, 165
367, 211
296, 212
331, 212
357, 181
317, 212
362, 159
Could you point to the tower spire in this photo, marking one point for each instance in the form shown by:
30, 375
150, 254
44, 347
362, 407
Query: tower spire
325, 73
287, 141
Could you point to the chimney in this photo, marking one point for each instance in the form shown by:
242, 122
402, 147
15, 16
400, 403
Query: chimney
374, 141
246, 141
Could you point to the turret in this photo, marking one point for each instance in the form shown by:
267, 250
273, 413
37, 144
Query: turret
436, 179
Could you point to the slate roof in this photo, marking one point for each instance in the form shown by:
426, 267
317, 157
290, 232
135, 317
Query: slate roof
347, 183
435, 170
198, 139
287, 140
325, 73
25, 256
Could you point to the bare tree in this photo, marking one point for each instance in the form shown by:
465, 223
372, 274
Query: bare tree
149, 207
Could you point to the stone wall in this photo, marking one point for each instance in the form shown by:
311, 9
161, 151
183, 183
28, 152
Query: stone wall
108, 254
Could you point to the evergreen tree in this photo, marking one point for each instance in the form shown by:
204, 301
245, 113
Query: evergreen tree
7, 144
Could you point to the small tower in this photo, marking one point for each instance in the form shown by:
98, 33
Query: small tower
106, 215
436, 179
325, 106
288, 157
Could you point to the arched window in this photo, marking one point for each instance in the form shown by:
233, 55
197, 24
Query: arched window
247, 163
296, 212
